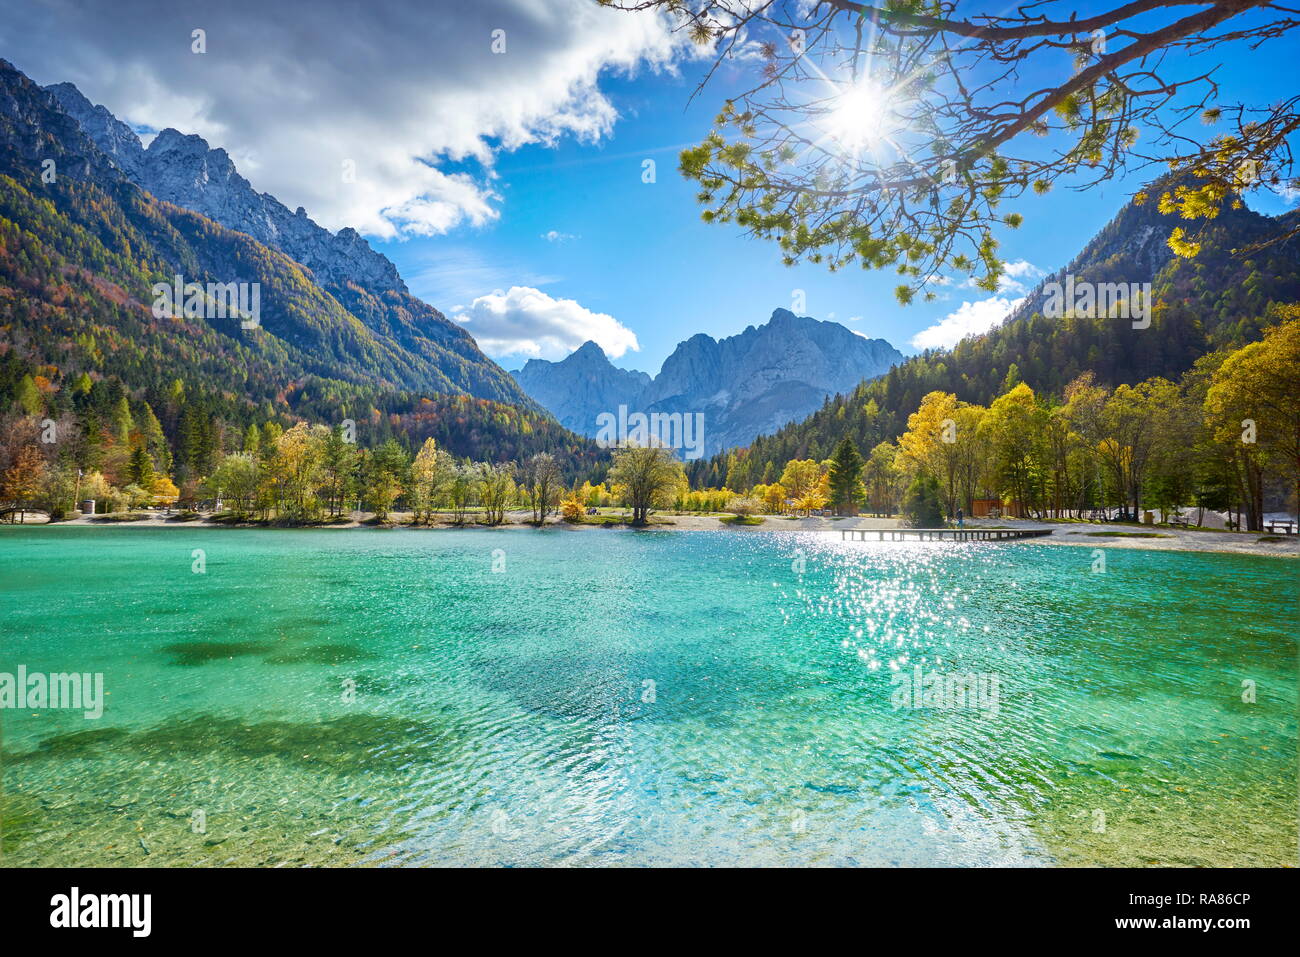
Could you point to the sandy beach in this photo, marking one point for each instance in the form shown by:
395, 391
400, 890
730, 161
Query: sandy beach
1085, 534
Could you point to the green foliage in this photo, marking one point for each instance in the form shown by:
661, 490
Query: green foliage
1217, 301
922, 507
78, 261
646, 477
847, 490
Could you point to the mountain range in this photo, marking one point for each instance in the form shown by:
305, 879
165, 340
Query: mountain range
338, 322
744, 385
1223, 298
331, 306
184, 170
90, 219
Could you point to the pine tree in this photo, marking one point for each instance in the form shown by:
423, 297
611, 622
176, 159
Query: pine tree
140, 468
122, 423
922, 507
339, 466
29, 397
847, 490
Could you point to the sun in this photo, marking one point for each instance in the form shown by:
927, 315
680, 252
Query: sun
861, 117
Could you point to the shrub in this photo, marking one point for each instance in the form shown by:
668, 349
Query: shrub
922, 506
743, 507
572, 509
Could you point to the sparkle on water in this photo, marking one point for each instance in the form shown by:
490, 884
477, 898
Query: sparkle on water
642, 698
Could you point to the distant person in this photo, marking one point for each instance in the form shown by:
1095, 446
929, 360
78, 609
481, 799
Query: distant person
960, 518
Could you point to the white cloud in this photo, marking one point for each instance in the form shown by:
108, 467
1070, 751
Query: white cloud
402, 90
555, 236
1289, 191
970, 319
526, 321
1018, 276
1022, 269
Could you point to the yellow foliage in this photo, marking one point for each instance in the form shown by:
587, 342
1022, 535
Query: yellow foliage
164, 490
572, 508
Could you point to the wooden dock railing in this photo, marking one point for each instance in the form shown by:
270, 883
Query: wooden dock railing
940, 534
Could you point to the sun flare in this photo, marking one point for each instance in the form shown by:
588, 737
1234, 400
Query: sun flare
862, 117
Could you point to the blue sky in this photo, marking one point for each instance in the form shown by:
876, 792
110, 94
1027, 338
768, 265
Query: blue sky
467, 160
640, 252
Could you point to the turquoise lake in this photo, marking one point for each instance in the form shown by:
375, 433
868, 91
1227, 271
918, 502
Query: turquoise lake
607, 697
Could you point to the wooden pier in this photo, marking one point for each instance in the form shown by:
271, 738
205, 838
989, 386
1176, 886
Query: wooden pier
940, 534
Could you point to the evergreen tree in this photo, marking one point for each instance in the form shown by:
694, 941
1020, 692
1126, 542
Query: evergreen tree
922, 505
122, 423
340, 467
847, 490
29, 397
140, 468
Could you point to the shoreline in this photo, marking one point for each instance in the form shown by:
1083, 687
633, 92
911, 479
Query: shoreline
1076, 534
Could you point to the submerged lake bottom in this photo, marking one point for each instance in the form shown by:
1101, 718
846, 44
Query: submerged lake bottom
607, 697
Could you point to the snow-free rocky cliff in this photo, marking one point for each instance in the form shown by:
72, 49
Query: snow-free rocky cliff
745, 385
184, 170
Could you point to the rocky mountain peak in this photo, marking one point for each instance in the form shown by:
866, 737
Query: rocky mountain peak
580, 386
113, 137
184, 169
589, 352
746, 385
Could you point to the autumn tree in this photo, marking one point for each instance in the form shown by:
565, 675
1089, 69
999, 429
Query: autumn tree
541, 484
339, 461
496, 485
1013, 428
883, 478
235, 483
1085, 430
944, 439
969, 453
1133, 422
431, 473
929, 445
572, 508
23, 480
1254, 407
646, 476
800, 477
460, 492
296, 471
772, 496
814, 499
904, 136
